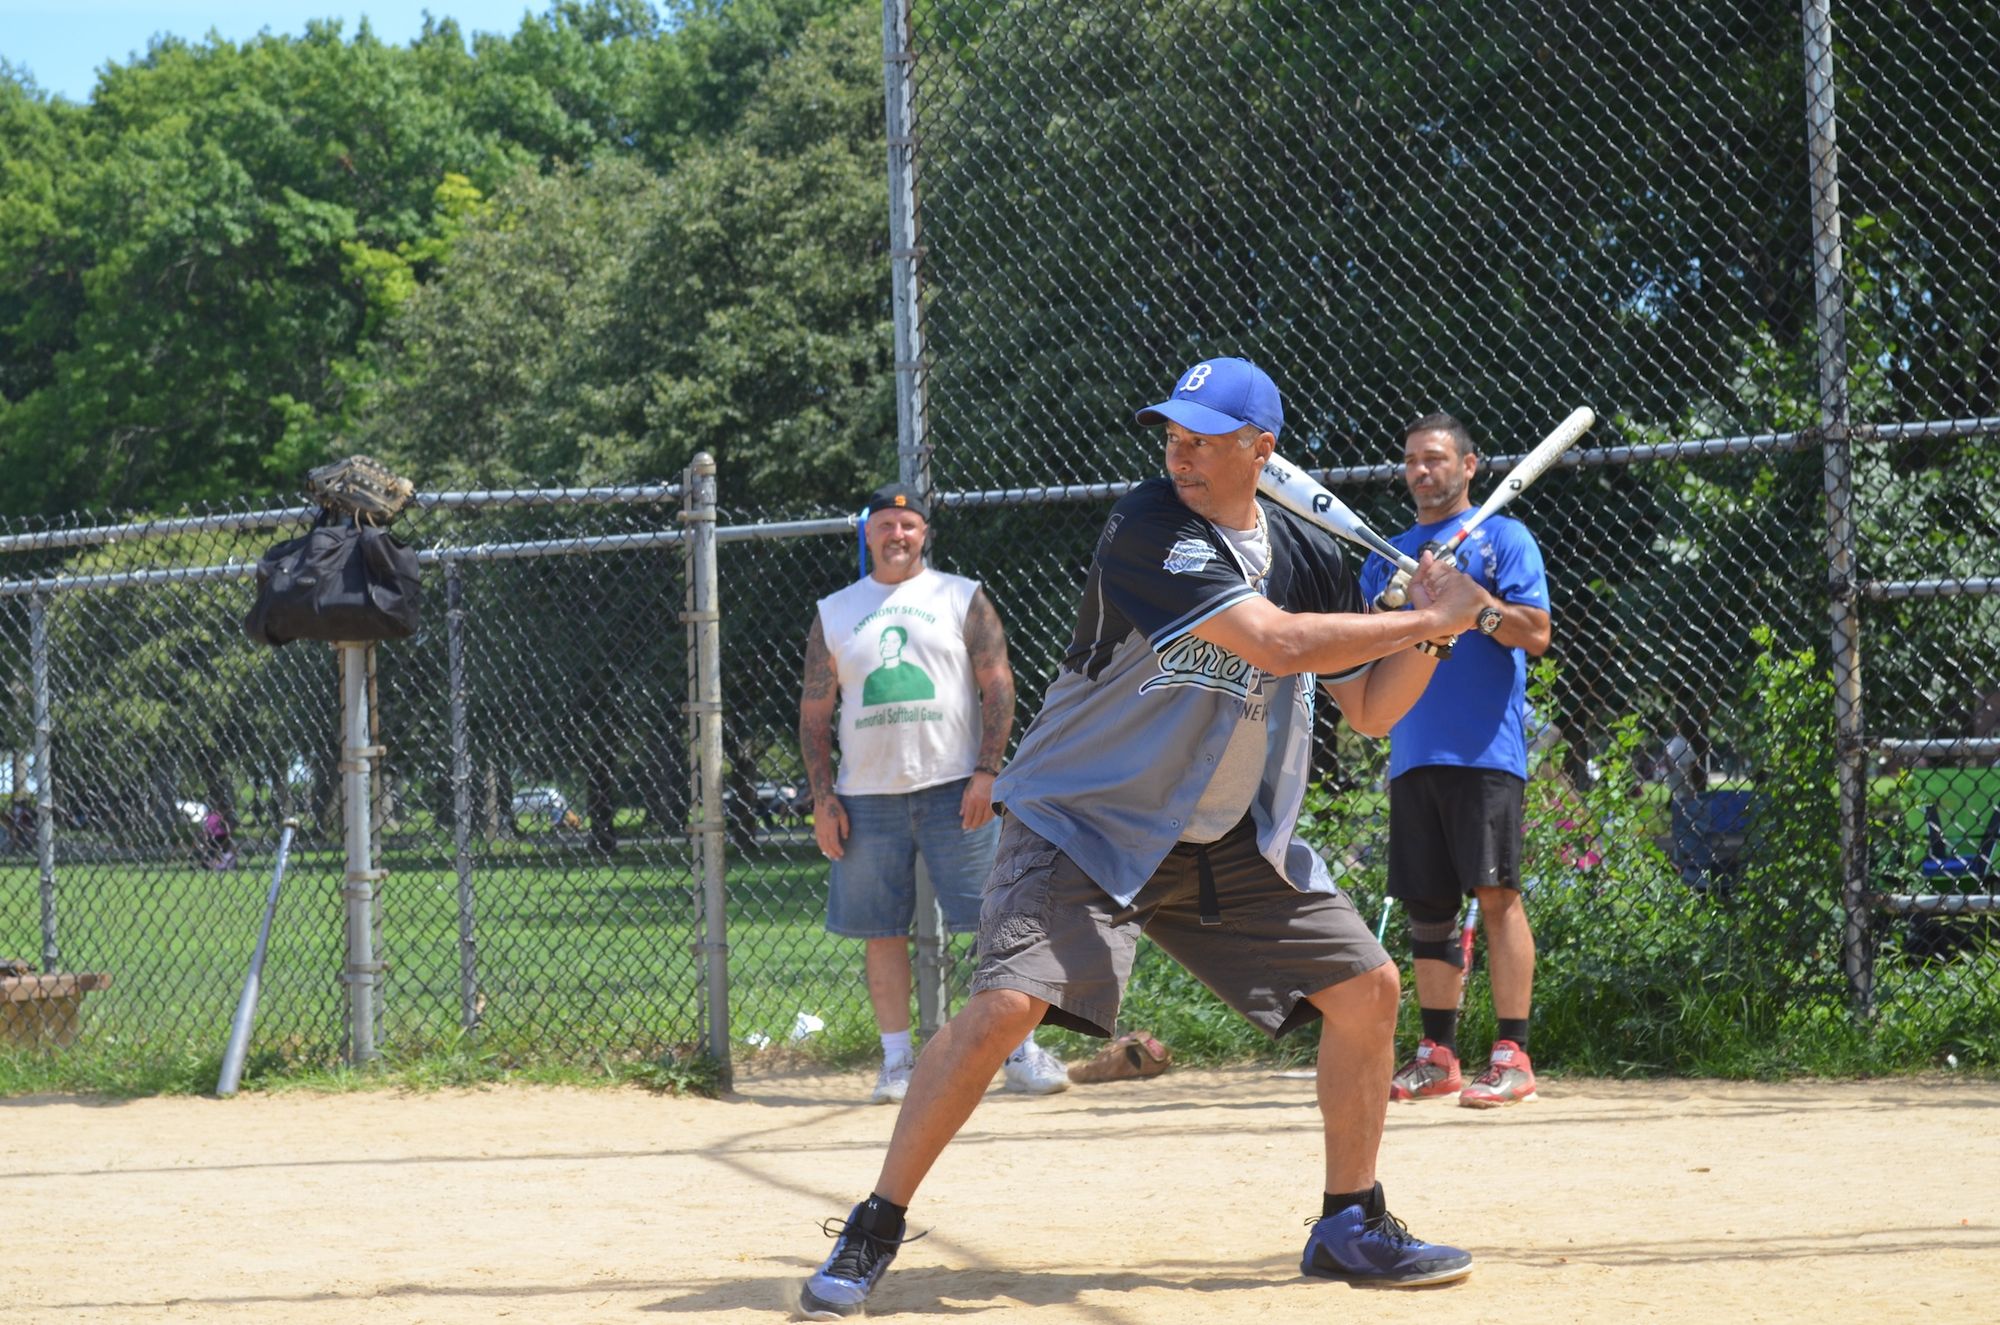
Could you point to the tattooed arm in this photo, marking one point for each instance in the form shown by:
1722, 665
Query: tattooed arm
986, 643
817, 698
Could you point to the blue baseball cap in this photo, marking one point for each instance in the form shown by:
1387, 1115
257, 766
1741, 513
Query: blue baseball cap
1219, 396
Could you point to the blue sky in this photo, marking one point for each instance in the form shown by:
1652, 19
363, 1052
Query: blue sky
63, 43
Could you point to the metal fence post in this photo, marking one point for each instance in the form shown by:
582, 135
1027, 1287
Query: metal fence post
912, 450
1830, 321
461, 796
45, 817
356, 763
705, 721
912, 419
380, 795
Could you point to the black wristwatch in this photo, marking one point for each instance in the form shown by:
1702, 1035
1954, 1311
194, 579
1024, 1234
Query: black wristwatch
1435, 650
1489, 620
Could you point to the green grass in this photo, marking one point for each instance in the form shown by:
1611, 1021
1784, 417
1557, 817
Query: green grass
91, 1070
588, 971
582, 963
1965, 797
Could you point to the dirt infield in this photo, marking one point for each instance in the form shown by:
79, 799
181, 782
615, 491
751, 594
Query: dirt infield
1176, 1199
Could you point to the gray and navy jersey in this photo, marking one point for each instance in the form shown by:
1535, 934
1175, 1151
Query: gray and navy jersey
1131, 729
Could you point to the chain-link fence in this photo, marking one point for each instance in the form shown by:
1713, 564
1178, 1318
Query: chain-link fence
1754, 237
533, 814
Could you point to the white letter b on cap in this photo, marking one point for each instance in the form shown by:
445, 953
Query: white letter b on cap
1196, 376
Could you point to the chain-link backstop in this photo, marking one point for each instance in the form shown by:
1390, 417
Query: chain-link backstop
536, 882
1756, 238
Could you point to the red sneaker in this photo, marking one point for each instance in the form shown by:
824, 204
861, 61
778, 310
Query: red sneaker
1432, 1074
1509, 1078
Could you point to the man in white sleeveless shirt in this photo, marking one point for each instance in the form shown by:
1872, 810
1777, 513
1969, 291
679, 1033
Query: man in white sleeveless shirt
917, 661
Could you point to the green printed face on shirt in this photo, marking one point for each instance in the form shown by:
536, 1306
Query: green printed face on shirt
895, 681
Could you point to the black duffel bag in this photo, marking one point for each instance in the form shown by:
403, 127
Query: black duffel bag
340, 581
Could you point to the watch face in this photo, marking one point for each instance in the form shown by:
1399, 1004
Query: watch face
1489, 620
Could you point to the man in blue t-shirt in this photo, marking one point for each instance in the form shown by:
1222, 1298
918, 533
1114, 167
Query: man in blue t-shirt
1458, 767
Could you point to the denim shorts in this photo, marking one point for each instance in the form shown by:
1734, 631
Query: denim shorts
872, 891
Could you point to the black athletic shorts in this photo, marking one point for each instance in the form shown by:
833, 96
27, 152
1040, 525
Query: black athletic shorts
1452, 830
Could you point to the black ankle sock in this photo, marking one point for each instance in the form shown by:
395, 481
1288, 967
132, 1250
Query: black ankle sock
881, 1217
1511, 1029
1368, 1198
1441, 1025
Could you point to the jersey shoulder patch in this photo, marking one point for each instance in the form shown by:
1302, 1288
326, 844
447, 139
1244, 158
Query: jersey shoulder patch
1189, 554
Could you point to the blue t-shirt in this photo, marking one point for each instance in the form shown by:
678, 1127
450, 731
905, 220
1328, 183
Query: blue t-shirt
1474, 712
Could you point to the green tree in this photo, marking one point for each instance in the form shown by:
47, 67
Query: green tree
40, 140
754, 323
1396, 208
482, 366
195, 266
185, 296
604, 323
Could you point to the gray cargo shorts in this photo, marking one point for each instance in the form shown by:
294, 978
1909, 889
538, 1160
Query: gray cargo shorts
1047, 930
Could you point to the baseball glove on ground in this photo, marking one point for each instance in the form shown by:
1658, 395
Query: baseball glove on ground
360, 487
1135, 1054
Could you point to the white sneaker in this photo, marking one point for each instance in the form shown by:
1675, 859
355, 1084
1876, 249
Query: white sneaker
892, 1082
1033, 1070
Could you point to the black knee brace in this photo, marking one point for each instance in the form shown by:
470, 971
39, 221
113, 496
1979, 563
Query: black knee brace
1434, 932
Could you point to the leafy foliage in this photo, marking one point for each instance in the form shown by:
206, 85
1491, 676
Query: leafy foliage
606, 323
196, 267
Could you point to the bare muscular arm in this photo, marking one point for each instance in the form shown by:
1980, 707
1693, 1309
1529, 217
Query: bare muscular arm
1523, 627
1285, 643
817, 698
986, 645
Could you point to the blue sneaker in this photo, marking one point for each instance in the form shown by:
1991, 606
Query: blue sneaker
840, 1287
1374, 1248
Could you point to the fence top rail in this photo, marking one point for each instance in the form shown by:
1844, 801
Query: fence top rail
1597, 457
1924, 431
745, 533
661, 493
276, 518
243, 570
130, 579
1973, 586
554, 547
1775, 443
635, 495
1940, 747
1593, 457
